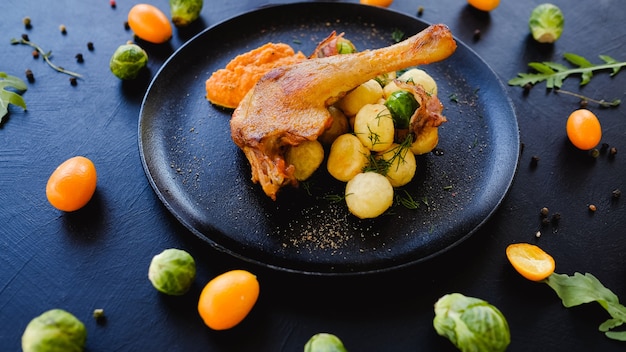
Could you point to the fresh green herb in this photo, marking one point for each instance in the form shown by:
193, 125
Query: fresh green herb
397, 35
554, 73
334, 198
12, 96
46, 56
406, 200
579, 289
454, 98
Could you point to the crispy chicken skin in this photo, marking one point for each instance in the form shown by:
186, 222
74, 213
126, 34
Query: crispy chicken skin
289, 104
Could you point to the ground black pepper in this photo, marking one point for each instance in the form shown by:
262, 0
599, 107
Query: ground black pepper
79, 58
27, 22
73, 81
90, 46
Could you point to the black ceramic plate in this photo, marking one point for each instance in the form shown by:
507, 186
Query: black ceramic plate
204, 179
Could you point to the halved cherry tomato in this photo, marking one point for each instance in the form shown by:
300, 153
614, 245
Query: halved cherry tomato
530, 261
583, 129
149, 23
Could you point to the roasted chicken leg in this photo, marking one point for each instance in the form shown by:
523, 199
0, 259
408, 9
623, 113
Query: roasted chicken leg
289, 104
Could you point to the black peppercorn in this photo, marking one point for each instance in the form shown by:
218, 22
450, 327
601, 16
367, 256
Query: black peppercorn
29, 76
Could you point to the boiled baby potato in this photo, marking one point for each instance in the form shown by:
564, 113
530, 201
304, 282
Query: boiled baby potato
347, 157
426, 140
369, 92
420, 77
306, 157
339, 126
368, 195
373, 125
401, 165
415, 76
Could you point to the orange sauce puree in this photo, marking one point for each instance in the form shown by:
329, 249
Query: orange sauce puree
226, 87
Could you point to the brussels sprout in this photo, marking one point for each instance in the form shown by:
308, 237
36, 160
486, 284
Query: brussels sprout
185, 11
471, 324
344, 46
54, 331
546, 23
324, 342
402, 104
127, 61
172, 271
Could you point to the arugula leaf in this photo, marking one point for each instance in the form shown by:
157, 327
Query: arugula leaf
10, 96
554, 73
579, 289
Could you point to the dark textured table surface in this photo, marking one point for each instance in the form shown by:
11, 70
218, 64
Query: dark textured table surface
98, 257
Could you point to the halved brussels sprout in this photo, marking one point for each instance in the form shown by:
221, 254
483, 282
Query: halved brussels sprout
402, 104
471, 324
546, 23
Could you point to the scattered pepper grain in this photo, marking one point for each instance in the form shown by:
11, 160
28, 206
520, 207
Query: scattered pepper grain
592, 208
90, 46
29, 76
556, 218
63, 29
544, 212
604, 148
79, 58
113, 4
476, 34
612, 152
25, 37
534, 160
27, 22
73, 81
616, 193
126, 25
420, 11
35, 54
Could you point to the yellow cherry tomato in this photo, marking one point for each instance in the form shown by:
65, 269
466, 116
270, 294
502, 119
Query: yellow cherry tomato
381, 3
72, 184
227, 299
149, 23
530, 261
583, 129
484, 5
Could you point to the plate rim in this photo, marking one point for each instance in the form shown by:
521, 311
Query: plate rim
284, 7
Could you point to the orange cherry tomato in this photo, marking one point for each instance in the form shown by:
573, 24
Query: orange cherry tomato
530, 261
72, 184
227, 299
381, 3
583, 129
149, 23
484, 5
